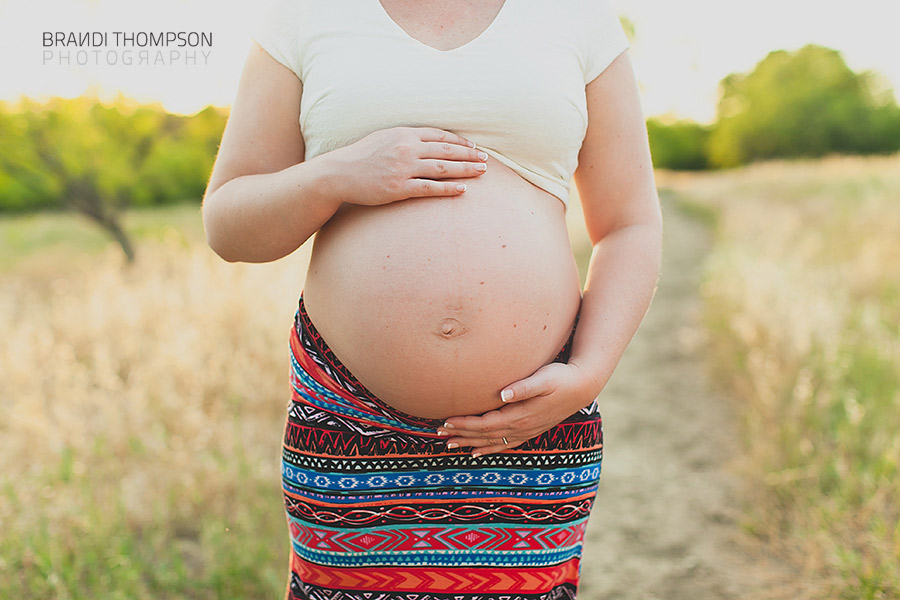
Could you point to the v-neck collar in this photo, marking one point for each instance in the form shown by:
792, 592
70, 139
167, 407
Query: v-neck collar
419, 42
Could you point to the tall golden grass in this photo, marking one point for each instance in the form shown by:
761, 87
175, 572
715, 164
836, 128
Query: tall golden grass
140, 426
802, 292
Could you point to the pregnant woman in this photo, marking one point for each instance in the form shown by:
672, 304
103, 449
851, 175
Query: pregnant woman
443, 438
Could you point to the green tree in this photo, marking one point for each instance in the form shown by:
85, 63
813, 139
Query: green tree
23, 184
678, 145
97, 159
803, 103
178, 166
90, 152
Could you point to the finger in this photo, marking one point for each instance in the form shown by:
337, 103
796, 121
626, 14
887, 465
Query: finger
448, 151
421, 188
495, 449
443, 169
433, 134
540, 383
458, 442
491, 424
471, 434
461, 442
464, 442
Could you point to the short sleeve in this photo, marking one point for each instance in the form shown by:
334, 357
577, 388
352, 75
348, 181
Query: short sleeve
279, 33
605, 38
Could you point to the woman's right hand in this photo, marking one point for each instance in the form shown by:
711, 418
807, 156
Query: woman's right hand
407, 162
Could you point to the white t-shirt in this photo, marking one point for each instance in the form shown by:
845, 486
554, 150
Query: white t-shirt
516, 90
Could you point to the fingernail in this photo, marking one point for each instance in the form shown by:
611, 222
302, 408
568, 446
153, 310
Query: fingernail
482, 155
481, 167
460, 187
471, 143
506, 395
476, 454
449, 426
452, 445
443, 433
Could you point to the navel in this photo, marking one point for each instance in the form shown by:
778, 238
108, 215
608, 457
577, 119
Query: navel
450, 328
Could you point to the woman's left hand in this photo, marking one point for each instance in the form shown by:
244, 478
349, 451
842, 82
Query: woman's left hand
540, 401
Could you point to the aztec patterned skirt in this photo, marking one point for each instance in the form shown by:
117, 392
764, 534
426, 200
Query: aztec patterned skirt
379, 509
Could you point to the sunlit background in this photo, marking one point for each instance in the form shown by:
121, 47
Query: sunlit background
143, 379
681, 49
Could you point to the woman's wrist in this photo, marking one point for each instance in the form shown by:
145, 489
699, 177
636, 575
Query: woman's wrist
588, 384
325, 182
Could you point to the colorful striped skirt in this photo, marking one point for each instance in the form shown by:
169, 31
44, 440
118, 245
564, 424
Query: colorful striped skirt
379, 509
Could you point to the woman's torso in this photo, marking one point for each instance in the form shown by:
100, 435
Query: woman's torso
436, 304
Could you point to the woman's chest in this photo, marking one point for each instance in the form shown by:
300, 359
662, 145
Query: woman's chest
516, 79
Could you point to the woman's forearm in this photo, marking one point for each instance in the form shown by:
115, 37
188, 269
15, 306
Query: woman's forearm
621, 280
263, 217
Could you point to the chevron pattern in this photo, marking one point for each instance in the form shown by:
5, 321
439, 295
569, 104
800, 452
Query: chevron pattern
528, 580
379, 509
299, 590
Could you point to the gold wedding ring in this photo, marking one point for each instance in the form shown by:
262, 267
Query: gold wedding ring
505, 441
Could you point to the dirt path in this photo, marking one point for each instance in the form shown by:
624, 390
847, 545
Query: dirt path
665, 524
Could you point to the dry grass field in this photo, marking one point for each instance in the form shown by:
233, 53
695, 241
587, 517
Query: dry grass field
802, 297
139, 405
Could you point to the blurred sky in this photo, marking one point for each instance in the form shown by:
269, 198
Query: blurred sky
682, 49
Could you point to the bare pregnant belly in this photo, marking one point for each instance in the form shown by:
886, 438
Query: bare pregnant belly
436, 304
